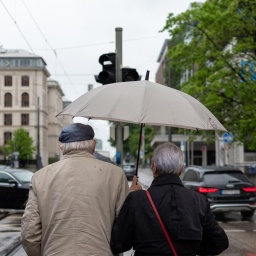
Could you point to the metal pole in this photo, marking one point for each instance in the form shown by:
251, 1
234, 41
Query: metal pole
217, 150
188, 152
38, 158
192, 153
119, 61
143, 147
169, 85
119, 54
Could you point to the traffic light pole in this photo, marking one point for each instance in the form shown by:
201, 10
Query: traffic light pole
119, 126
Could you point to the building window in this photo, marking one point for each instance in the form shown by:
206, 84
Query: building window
24, 99
8, 119
8, 80
7, 100
24, 119
24, 81
7, 137
24, 63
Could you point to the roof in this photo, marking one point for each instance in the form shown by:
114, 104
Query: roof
165, 45
18, 53
54, 85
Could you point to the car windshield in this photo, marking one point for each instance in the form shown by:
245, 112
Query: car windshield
23, 176
223, 178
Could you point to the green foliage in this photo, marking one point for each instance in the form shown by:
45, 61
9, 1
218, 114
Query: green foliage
218, 35
21, 143
131, 145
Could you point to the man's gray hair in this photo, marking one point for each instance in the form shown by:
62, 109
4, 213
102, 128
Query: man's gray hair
87, 145
168, 158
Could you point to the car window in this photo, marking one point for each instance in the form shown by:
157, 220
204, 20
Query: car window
129, 165
190, 175
23, 176
222, 178
5, 178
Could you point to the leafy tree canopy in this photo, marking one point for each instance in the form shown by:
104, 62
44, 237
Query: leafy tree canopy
219, 50
22, 143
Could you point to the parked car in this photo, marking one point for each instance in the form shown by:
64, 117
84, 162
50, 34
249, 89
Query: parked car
129, 170
227, 188
14, 187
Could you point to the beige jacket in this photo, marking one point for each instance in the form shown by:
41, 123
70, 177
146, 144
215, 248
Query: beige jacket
71, 207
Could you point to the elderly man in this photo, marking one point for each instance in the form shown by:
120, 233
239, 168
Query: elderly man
73, 202
186, 216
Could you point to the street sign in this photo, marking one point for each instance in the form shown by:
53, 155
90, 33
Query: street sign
227, 137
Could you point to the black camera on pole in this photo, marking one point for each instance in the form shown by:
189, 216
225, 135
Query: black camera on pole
108, 73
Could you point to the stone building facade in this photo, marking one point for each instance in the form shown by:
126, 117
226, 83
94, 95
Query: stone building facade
28, 99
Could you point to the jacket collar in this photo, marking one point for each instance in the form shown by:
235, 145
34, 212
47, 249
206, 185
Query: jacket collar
77, 153
166, 179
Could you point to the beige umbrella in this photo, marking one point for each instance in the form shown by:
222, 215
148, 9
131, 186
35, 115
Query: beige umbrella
143, 102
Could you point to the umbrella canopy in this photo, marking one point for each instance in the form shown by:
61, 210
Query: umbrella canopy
144, 102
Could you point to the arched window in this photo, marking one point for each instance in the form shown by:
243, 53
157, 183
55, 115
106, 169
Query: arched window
24, 81
8, 80
8, 100
7, 137
24, 99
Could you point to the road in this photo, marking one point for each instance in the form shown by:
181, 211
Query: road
241, 233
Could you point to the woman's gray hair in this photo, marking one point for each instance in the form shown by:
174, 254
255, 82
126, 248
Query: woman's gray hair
168, 158
87, 145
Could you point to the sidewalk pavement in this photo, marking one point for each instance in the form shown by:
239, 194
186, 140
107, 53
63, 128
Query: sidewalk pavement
8, 241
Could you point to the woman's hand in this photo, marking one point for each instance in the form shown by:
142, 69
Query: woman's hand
135, 185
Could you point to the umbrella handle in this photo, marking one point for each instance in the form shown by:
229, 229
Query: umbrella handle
141, 127
138, 155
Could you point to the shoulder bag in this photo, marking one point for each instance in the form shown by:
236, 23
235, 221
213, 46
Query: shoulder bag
161, 223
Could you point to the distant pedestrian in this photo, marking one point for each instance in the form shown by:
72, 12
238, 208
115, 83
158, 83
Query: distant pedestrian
190, 226
73, 202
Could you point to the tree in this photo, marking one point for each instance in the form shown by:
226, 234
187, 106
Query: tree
21, 143
219, 40
132, 143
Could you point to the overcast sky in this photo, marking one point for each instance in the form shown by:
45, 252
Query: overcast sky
70, 35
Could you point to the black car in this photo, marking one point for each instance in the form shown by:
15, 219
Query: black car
227, 188
14, 187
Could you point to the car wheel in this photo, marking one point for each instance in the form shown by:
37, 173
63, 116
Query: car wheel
247, 214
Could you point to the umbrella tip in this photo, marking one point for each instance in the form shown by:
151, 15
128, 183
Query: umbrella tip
147, 75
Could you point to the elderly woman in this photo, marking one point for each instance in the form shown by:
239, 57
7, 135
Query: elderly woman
186, 216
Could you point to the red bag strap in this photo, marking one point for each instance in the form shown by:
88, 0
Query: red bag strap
161, 223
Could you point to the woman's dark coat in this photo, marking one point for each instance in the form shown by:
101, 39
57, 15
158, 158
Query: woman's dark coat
186, 215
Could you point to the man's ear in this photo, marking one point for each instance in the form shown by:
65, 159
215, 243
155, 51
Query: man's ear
94, 145
181, 170
154, 169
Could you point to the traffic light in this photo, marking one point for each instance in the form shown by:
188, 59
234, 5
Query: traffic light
130, 74
108, 73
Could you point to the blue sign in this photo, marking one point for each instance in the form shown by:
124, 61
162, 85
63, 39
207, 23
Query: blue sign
118, 157
248, 68
227, 137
